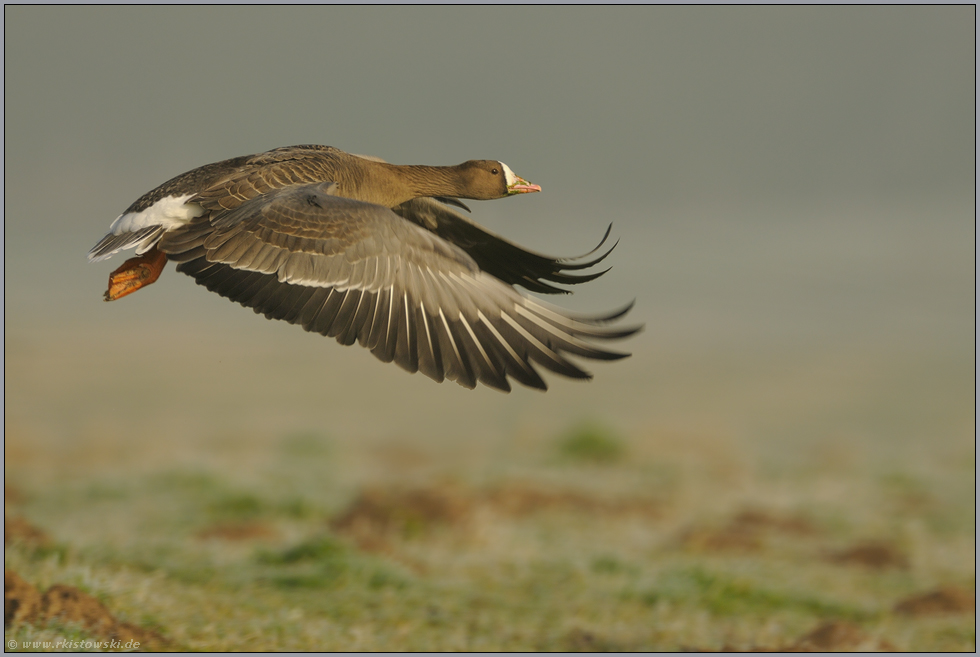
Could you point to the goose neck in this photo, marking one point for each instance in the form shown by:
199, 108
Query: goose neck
421, 180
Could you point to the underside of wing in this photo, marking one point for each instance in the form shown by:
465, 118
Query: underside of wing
360, 273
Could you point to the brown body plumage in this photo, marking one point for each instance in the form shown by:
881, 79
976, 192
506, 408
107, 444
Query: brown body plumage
229, 183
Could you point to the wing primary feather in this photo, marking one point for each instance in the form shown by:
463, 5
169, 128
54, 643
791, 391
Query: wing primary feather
246, 287
521, 369
460, 366
290, 300
406, 349
566, 341
548, 357
349, 335
425, 325
364, 317
320, 323
328, 320
391, 313
345, 316
430, 362
385, 349
213, 277
578, 326
263, 293
493, 376
307, 314
374, 334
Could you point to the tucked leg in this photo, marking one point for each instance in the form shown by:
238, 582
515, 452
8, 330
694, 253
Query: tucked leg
135, 273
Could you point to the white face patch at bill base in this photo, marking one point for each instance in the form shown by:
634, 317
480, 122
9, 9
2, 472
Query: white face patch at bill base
509, 175
169, 212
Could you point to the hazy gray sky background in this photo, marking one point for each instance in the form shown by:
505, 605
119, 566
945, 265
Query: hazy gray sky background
783, 180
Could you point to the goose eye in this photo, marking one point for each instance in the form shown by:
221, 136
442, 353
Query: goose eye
494, 171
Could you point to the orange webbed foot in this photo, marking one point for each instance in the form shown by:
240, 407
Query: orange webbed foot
135, 273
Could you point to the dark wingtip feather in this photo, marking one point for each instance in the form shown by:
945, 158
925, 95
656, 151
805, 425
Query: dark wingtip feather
555, 270
575, 279
601, 242
569, 263
610, 355
616, 314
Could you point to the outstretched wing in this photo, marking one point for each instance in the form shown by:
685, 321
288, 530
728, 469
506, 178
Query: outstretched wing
495, 255
360, 273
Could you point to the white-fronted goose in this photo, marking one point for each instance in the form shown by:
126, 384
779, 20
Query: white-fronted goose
361, 250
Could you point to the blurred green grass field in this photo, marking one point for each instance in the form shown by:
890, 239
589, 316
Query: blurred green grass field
717, 524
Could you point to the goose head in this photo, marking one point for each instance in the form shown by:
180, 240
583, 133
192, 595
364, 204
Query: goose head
490, 179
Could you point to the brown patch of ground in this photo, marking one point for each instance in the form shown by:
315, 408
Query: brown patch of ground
745, 532
21, 601
70, 605
521, 499
757, 519
830, 636
67, 604
727, 539
18, 530
871, 554
945, 600
240, 531
378, 513
728, 648
838, 635
579, 640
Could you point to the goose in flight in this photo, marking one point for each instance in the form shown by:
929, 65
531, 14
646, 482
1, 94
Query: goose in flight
364, 251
